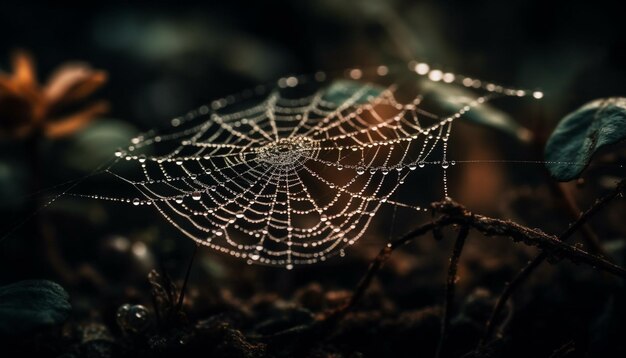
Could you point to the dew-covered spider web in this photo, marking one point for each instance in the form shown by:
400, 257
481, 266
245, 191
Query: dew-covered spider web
293, 172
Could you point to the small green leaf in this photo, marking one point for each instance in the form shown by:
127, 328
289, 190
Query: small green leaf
453, 98
342, 91
582, 133
29, 305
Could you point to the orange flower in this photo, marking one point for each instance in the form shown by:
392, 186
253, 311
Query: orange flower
26, 107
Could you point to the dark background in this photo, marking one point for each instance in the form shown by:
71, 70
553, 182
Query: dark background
165, 59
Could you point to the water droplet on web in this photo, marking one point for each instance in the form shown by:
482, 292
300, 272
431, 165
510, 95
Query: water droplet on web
421, 164
178, 200
412, 166
339, 167
445, 164
136, 201
360, 170
196, 195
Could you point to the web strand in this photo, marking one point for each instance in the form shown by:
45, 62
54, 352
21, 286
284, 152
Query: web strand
292, 179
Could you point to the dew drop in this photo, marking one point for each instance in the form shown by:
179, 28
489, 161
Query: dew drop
360, 170
445, 164
196, 195
136, 201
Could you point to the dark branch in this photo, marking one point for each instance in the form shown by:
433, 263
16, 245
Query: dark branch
532, 265
450, 287
454, 213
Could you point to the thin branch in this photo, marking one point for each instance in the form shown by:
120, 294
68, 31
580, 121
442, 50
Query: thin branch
532, 265
450, 287
377, 264
450, 213
570, 204
181, 296
454, 213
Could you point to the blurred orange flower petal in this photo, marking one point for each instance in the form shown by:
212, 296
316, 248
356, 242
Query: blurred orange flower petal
26, 108
7, 87
24, 71
70, 124
73, 82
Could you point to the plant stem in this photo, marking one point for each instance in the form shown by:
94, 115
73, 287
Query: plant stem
454, 213
450, 287
570, 203
532, 265
181, 296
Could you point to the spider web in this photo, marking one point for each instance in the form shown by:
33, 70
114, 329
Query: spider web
279, 178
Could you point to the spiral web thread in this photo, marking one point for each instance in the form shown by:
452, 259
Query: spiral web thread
292, 180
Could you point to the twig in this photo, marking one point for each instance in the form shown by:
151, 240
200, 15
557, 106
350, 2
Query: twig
181, 296
450, 287
451, 213
454, 213
570, 204
376, 265
532, 265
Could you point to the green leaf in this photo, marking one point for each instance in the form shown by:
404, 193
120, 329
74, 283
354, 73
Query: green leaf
582, 133
339, 92
26, 306
453, 98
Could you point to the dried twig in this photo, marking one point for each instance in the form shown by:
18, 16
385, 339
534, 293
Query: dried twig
450, 287
454, 213
377, 264
181, 295
450, 213
532, 265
